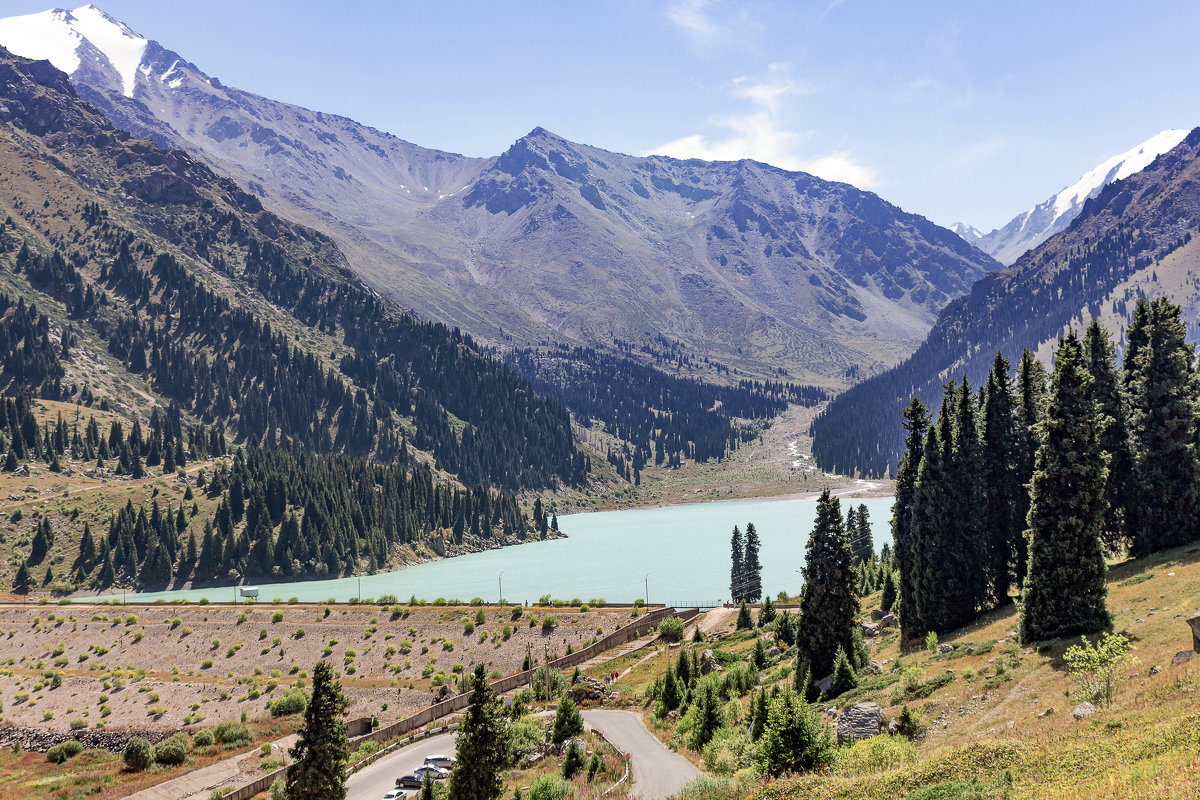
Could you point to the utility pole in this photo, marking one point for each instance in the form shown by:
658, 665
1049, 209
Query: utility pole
546, 666
500, 581
360, 588
646, 595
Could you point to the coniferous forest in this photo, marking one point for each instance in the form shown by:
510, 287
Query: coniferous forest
660, 418
1020, 488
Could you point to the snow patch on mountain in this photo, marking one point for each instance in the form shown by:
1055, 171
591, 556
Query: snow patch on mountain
1115, 169
1028, 230
58, 35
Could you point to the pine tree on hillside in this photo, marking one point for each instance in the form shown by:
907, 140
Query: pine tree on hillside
737, 576
967, 568
1003, 492
1031, 395
1163, 432
751, 566
482, 745
828, 604
321, 750
932, 519
862, 547
1106, 391
916, 422
1065, 592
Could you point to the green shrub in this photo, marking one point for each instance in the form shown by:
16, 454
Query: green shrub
138, 755
549, 623
548, 787
671, 629
294, 702
232, 733
203, 738
174, 750
59, 753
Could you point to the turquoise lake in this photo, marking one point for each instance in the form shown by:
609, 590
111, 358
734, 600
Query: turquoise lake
681, 552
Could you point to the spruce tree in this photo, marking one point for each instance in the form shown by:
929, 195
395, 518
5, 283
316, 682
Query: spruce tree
759, 709
1064, 592
828, 604
737, 577
744, 621
751, 566
1031, 393
482, 745
1163, 433
568, 722
1003, 493
932, 511
321, 750
916, 422
966, 567
888, 596
795, 740
1107, 392
861, 545
844, 676
23, 581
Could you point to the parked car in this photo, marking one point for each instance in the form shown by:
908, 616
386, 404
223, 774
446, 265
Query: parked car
409, 782
435, 772
445, 762
396, 794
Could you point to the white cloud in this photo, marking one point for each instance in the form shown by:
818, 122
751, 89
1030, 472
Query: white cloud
841, 166
762, 135
691, 17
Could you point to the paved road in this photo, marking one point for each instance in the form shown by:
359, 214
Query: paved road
378, 779
657, 771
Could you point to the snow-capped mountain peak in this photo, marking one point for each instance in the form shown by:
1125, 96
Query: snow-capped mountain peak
70, 39
1029, 229
968, 232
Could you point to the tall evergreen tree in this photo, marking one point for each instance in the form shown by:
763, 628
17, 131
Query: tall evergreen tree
862, 547
932, 519
23, 581
967, 569
1107, 392
916, 422
1163, 432
482, 745
828, 604
737, 572
751, 566
1064, 591
1031, 409
320, 752
1002, 489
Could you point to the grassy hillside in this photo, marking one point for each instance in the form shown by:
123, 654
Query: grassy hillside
999, 712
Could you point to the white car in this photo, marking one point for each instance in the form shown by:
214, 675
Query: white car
445, 762
396, 794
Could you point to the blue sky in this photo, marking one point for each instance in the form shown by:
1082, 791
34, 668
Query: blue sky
955, 110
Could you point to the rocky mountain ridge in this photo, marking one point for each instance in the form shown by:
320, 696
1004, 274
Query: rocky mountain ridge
780, 272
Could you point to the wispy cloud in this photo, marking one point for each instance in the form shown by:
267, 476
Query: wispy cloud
762, 133
692, 17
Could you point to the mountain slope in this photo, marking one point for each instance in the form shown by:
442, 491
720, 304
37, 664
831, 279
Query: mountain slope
553, 240
1028, 230
190, 292
1136, 237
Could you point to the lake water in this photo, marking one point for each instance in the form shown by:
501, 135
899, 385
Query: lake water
680, 552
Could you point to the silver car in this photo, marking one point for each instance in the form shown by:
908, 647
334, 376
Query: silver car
445, 762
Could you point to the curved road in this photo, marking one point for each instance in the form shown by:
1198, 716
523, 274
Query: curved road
657, 772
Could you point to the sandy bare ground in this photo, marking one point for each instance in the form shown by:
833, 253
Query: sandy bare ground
200, 665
